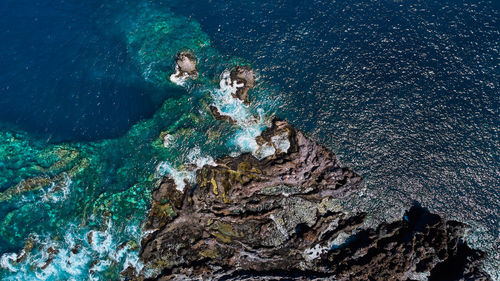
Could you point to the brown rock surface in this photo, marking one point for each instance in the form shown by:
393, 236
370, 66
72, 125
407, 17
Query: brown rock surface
186, 64
245, 76
278, 218
218, 116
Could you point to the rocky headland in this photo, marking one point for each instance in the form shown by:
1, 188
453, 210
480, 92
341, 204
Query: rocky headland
276, 214
279, 218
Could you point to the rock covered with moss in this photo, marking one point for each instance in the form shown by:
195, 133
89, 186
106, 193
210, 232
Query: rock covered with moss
278, 217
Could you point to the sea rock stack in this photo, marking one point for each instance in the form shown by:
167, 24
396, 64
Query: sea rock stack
187, 63
185, 67
243, 75
279, 218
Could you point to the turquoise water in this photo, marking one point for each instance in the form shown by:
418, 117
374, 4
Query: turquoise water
77, 167
55, 196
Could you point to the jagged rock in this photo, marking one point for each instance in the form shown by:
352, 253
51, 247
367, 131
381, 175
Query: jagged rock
167, 200
277, 218
243, 75
420, 246
185, 67
187, 63
218, 116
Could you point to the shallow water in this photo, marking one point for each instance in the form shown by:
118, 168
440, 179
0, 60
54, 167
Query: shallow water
406, 94
85, 202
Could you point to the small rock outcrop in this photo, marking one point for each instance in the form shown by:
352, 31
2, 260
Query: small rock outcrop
187, 63
219, 116
278, 218
244, 76
185, 67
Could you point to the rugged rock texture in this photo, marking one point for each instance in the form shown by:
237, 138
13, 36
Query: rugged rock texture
277, 218
218, 116
186, 65
243, 75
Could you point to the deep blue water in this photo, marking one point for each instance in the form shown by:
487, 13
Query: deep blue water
66, 72
405, 92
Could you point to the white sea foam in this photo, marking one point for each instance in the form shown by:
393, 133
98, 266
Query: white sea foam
167, 140
57, 191
245, 138
250, 125
164, 168
180, 176
278, 144
230, 106
149, 70
7, 260
195, 157
54, 259
178, 79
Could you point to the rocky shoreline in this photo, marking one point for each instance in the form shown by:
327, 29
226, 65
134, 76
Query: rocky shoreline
278, 218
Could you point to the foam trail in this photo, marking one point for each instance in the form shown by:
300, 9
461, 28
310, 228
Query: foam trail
178, 79
80, 255
57, 191
152, 36
195, 157
180, 176
251, 125
230, 106
165, 169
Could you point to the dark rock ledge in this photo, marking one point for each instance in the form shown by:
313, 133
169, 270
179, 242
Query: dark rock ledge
277, 219
244, 76
186, 65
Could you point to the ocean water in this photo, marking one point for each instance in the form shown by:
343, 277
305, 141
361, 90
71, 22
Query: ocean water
406, 93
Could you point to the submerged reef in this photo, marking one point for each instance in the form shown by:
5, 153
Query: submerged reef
153, 204
279, 218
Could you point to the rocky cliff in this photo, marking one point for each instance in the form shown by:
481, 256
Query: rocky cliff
276, 217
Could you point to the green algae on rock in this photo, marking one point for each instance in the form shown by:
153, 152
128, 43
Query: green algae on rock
62, 193
77, 210
278, 218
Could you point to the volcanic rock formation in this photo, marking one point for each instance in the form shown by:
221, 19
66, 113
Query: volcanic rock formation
278, 218
244, 76
186, 65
